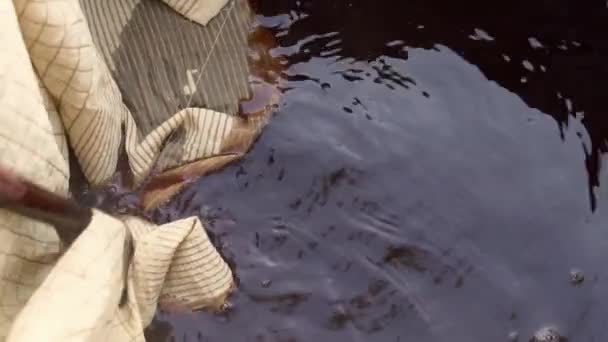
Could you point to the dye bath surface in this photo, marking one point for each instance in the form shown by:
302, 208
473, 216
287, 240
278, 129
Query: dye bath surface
433, 173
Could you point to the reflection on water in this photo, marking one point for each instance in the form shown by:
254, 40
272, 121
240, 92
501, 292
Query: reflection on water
429, 175
550, 53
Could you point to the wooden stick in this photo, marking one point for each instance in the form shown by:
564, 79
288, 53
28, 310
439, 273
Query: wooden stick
26, 198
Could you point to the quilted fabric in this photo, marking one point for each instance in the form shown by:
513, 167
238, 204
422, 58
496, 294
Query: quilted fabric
69, 73
103, 64
80, 299
32, 145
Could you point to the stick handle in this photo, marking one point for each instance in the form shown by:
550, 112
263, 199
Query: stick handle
26, 198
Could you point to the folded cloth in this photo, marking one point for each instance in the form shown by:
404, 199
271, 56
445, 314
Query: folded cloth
32, 144
58, 80
80, 299
173, 84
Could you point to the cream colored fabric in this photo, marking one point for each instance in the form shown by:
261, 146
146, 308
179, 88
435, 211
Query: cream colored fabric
80, 298
90, 103
61, 50
31, 144
162, 63
198, 11
52, 84
205, 70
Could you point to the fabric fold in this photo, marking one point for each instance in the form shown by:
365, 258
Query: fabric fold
58, 85
118, 75
81, 298
33, 145
176, 264
66, 61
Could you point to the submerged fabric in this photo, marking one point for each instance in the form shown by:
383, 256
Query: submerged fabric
75, 71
